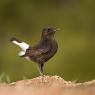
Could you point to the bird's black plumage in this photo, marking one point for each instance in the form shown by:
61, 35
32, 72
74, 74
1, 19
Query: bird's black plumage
44, 50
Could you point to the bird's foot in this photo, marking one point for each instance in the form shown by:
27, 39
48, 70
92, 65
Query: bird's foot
43, 79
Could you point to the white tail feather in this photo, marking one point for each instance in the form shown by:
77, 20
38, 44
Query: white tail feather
21, 53
22, 45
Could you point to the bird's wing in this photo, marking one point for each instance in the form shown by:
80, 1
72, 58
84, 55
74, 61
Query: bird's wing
37, 52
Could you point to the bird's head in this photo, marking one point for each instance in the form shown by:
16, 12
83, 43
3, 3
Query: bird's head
49, 32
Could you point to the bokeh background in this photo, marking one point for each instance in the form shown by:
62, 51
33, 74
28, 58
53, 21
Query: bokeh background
24, 19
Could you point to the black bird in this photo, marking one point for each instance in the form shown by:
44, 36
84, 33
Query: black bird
43, 51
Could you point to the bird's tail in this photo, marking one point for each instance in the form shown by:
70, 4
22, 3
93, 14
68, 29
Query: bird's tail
21, 44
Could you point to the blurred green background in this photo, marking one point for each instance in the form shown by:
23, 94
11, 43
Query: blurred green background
24, 19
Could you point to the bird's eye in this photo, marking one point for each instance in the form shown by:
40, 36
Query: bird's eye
49, 30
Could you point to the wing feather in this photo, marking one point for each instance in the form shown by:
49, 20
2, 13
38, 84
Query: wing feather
37, 52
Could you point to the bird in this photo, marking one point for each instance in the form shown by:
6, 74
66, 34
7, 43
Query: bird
40, 53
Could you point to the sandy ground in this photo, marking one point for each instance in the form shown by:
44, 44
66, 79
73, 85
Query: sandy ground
47, 85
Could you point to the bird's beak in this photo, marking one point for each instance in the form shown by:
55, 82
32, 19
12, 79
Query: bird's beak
56, 29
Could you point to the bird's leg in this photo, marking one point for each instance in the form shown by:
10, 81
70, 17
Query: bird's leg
42, 65
40, 69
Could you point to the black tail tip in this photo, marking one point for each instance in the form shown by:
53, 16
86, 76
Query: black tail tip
15, 39
12, 39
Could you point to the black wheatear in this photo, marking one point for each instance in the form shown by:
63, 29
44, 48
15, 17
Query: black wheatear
43, 51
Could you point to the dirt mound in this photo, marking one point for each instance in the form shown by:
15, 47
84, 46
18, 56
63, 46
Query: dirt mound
47, 85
